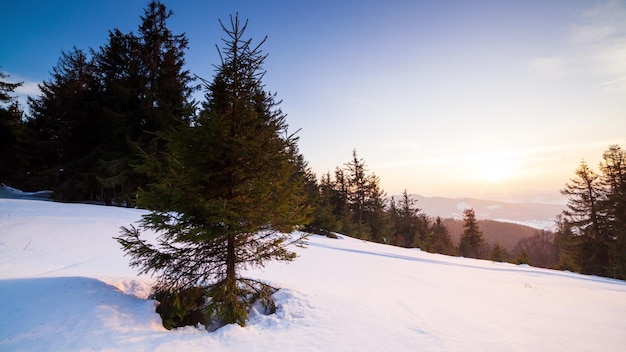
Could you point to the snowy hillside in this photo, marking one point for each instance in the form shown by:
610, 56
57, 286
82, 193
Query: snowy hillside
65, 286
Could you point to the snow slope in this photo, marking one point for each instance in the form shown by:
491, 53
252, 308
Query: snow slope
65, 286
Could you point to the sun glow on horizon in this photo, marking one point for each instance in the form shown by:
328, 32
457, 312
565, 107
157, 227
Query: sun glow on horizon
496, 173
497, 170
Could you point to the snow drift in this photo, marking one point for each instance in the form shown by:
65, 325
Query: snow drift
65, 285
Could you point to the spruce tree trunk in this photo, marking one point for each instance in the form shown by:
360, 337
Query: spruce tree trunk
231, 282
230, 261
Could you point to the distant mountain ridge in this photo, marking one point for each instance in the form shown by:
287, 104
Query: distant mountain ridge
506, 234
536, 215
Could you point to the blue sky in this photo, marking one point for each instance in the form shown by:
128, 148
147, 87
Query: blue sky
495, 99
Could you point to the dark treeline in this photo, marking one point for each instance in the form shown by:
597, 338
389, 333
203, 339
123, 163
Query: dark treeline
98, 110
351, 201
102, 111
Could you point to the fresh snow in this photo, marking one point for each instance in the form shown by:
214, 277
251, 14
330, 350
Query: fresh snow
65, 285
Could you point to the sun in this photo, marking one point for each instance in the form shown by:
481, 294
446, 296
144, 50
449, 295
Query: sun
496, 173
497, 169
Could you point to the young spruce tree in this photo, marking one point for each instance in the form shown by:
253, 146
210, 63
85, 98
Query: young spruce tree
228, 191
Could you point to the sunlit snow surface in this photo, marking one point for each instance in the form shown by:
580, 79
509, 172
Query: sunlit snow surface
66, 286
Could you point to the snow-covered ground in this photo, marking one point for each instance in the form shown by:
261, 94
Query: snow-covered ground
10, 192
66, 286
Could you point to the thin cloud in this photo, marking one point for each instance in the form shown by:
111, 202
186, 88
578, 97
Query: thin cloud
402, 145
613, 60
595, 46
537, 153
591, 33
28, 88
603, 34
553, 67
568, 147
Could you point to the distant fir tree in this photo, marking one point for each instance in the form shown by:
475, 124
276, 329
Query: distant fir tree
357, 194
522, 258
406, 221
567, 244
228, 191
375, 210
360, 201
440, 238
498, 254
324, 219
541, 249
341, 201
472, 242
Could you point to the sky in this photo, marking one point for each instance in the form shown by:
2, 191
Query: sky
487, 99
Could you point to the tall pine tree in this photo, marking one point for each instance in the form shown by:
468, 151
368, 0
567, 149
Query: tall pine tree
613, 180
66, 119
228, 190
592, 230
146, 90
586, 215
11, 126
